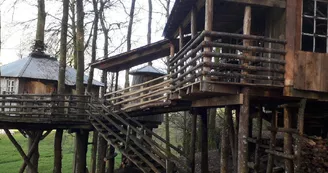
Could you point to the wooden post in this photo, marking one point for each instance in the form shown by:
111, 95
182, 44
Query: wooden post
81, 150
300, 128
193, 141
225, 141
35, 156
204, 140
58, 150
193, 30
288, 140
232, 138
101, 150
247, 31
31, 152
208, 27
94, 152
272, 142
258, 138
243, 133
111, 159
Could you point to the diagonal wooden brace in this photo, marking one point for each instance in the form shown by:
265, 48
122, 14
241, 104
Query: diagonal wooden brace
31, 152
21, 151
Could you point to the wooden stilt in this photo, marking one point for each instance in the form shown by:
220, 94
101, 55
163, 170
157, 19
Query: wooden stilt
31, 152
232, 140
21, 151
35, 156
193, 142
258, 140
111, 159
300, 128
288, 148
243, 133
236, 138
81, 150
272, 142
58, 151
224, 141
101, 150
204, 140
94, 152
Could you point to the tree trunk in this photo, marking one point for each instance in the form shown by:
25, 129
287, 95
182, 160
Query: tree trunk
73, 28
211, 128
150, 12
101, 150
41, 21
94, 152
94, 43
81, 151
128, 40
58, 151
80, 48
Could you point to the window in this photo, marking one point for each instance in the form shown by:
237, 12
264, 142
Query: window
10, 86
314, 26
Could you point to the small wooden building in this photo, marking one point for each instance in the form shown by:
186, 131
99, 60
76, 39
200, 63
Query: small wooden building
38, 74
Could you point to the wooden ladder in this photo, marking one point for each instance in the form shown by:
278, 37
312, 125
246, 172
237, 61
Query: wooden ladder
292, 157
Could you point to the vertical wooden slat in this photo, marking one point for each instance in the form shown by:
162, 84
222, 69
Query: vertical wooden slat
193, 142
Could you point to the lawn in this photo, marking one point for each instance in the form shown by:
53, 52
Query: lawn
10, 160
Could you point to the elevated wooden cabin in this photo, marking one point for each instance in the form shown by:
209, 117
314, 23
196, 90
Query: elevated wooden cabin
261, 58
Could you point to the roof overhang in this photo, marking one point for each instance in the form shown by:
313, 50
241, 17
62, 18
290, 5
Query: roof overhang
136, 56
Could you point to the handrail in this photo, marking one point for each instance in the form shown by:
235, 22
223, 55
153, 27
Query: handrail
137, 85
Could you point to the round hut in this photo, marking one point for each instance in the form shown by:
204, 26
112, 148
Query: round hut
142, 75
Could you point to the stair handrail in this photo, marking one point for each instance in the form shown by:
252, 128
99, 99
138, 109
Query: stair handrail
146, 138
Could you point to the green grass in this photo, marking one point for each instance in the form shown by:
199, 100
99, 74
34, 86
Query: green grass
11, 161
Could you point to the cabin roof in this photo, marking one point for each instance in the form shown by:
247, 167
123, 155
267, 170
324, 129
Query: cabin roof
147, 69
179, 12
135, 57
41, 67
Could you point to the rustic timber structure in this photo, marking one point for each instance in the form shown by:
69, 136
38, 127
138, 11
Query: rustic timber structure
260, 60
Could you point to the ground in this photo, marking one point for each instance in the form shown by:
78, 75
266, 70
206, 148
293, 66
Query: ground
10, 160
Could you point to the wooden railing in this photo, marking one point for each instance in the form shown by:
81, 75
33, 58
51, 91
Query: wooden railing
147, 94
229, 61
52, 107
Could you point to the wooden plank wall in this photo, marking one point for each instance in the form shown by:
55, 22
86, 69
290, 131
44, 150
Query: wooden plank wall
311, 72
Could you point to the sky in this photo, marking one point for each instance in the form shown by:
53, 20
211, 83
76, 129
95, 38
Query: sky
18, 27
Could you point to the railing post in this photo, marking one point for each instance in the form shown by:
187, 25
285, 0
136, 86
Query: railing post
168, 165
127, 137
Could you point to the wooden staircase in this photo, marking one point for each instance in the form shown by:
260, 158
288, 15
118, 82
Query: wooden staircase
137, 143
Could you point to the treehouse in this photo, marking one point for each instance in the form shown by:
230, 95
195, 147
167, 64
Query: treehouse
265, 60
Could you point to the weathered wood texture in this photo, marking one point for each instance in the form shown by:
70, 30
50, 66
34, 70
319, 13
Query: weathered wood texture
311, 72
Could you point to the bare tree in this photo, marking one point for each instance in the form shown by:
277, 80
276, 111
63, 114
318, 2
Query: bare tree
128, 38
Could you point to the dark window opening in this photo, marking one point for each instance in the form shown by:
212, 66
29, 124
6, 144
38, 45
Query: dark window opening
314, 26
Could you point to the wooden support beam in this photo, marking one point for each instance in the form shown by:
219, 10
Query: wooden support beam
21, 151
45, 134
35, 156
110, 159
219, 101
208, 27
81, 139
272, 142
204, 140
32, 149
193, 141
94, 152
225, 141
288, 140
258, 138
299, 140
58, 151
267, 3
232, 139
101, 150
243, 133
